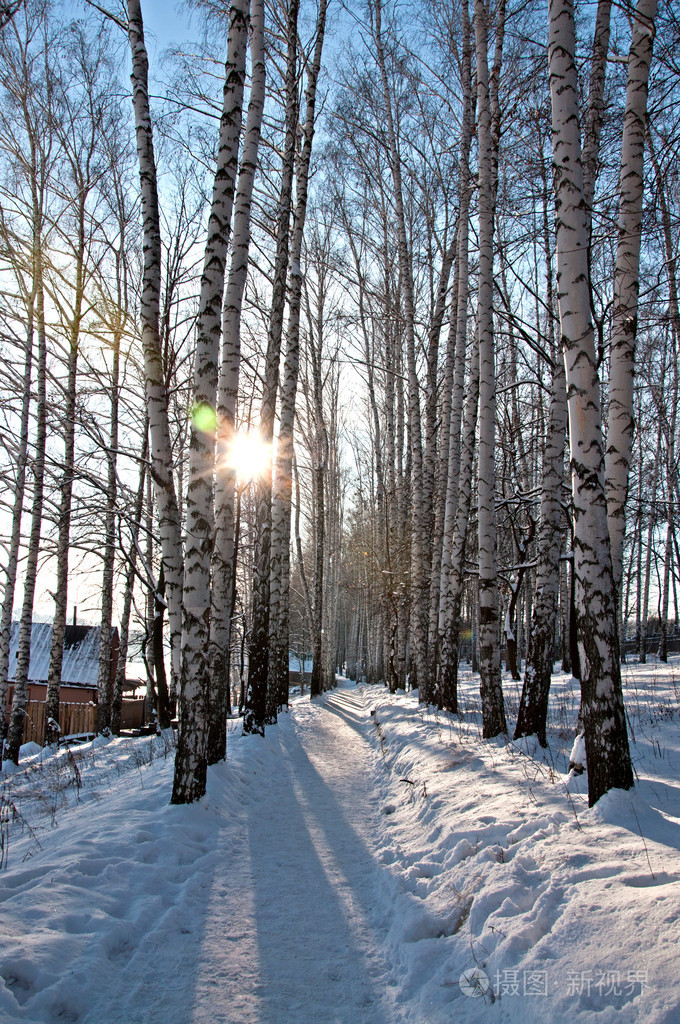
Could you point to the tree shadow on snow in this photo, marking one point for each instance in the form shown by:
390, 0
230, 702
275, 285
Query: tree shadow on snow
318, 952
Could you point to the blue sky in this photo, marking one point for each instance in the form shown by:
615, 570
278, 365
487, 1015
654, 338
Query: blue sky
164, 22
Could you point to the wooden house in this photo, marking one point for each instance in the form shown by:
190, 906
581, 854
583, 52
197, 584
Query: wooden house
80, 667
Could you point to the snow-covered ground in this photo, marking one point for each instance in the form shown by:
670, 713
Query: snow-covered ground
369, 862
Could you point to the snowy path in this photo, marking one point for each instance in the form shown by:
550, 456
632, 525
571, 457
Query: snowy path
262, 905
302, 895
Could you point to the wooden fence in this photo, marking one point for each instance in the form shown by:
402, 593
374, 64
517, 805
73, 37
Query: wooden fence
75, 719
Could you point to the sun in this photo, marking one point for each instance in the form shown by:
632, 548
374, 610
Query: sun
248, 457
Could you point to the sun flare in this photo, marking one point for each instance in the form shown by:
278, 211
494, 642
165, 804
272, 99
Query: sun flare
248, 456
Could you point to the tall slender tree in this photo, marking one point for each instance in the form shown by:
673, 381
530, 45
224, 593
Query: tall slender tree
493, 713
192, 756
225, 549
627, 282
419, 511
282, 489
154, 370
255, 714
606, 739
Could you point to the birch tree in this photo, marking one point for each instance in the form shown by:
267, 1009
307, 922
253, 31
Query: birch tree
452, 450
670, 419
26, 284
419, 511
450, 612
191, 759
606, 739
128, 592
17, 508
283, 475
154, 371
493, 714
627, 282
107, 698
224, 554
35, 164
258, 666
533, 709
20, 696
82, 120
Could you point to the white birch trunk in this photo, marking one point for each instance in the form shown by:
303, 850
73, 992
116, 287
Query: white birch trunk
192, 743
224, 553
606, 739
20, 695
434, 493
104, 681
66, 492
649, 547
533, 709
282, 490
493, 714
419, 511
123, 640
255, 714
592, 131
333, 540
627, 283
449, 623
155, 383
17, 509
394, 560
674, 310
453, 448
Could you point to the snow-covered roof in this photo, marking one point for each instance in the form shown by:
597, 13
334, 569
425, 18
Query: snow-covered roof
81, 653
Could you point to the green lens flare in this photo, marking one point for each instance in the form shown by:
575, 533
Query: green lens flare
204, 418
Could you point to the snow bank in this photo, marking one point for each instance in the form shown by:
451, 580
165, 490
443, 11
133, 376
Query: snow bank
516, 902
